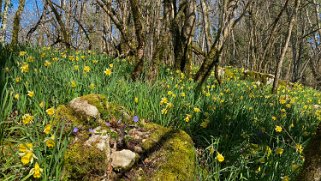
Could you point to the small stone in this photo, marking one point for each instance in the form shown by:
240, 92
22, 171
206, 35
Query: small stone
123, 160
83, 107
99, 141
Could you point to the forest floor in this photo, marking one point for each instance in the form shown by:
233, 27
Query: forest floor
241, 130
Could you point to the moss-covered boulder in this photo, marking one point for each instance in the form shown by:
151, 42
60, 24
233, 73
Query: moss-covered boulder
113, 144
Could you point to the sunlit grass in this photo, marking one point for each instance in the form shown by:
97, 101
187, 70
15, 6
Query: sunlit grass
258, 134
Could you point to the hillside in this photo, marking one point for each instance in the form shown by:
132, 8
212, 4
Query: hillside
240, 130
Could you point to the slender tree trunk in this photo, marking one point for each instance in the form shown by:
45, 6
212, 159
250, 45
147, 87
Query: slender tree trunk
188, 34
285, 48
16, 23
137, 16
206, 24
4, 21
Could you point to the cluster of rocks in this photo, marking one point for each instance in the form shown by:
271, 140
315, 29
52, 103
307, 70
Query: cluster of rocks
109, 143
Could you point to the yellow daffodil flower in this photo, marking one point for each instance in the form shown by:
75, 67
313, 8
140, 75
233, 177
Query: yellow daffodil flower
47, 129
278, 129
108, 72
27, 118
24, 68
219, 157
50, 111
86, 69
36, 171
31, 93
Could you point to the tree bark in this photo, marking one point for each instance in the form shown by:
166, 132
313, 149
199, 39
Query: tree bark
206, 24
16, 23
4, 22
182, 37
137, 16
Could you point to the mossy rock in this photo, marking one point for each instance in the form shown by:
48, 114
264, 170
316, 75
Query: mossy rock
163, 153
179, 161
174, 160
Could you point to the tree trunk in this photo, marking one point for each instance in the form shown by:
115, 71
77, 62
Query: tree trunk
4, 22
206, 24
64, 31
285, 48
139, 54
16, 23
188, 33
182, 30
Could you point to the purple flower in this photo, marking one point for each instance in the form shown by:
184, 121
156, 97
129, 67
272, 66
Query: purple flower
75, 130
135, 119
108, 124
91, 130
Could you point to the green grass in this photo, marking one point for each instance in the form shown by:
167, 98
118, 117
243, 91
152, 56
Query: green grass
235, 119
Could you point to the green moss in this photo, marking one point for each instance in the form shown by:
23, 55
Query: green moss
179, 159
119, 112
158, 132
65, 115
83, 163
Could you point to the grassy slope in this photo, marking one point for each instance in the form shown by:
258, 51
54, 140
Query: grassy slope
237, 119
